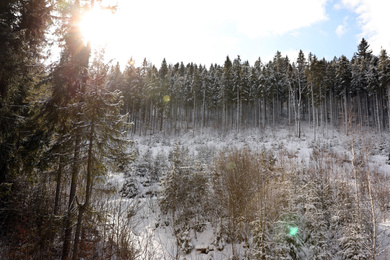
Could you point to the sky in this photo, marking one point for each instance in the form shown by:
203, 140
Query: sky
206, 31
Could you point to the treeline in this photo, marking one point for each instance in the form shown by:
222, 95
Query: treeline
237, 95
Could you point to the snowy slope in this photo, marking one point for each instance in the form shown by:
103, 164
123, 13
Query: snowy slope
154, 233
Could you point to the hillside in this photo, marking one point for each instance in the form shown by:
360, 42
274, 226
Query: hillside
327, 162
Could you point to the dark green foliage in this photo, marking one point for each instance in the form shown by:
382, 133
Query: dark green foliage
22, 36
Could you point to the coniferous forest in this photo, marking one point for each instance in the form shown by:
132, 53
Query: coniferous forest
280, 159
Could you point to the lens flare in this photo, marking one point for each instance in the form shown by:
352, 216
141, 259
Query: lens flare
293, 231
231, 166
166, 98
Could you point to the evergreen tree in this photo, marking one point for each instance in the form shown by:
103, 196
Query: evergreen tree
354, 243
237, 86
225, 91
384, 77
70, 81
103, 135
301, 89
23, 28
360, 67
317, 216
23, 25
344, 77
288, 237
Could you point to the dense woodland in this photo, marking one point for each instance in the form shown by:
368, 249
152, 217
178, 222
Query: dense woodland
64, 127
237, 95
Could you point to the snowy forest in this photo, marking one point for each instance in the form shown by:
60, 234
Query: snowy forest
280, 159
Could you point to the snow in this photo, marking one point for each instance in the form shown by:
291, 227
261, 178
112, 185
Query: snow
155, 233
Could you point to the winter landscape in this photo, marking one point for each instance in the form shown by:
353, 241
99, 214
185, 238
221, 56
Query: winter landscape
311, 178
282, 158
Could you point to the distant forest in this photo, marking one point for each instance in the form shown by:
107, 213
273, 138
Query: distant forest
237, 95
64, 127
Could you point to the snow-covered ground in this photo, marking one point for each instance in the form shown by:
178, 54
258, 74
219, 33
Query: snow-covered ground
154, 234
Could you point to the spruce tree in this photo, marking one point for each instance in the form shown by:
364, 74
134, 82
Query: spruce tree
384, 78
23, 28
301, 81
104, 133
343, 78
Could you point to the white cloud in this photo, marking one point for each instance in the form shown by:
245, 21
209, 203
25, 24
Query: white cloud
337, 6
374, 19
255, 18
205, 31
342, 28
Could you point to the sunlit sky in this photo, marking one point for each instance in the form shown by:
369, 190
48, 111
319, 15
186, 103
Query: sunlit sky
206, 31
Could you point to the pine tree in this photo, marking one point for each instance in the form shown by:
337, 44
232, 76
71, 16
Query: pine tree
70, 78
316, 214
22, 38
225, 91
103, 133
288, 236
301, 90
384, 77
237, 85
330, 81
372, 78
360, 66
315, 74
23, 28
344, 77
354, 243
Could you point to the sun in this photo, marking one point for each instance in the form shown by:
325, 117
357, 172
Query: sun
97, 26
110, 27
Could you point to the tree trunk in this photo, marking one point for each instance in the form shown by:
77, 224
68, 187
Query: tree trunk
326, 115
88, 191
377, 112
388, 103
314, 113
204, 109
264, 111
373, 214
345, 112
273, 110
194, 113
331, 108
238, 109
72, 198
58, 186
357, 197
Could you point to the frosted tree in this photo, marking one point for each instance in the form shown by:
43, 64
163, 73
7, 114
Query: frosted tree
375, 92
344, 77
288, 236
173, 183
103, 135
354, 243
184, 197
299, 74
384, 77
225, 91
317, 218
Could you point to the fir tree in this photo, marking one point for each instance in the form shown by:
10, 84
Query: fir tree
384, 77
